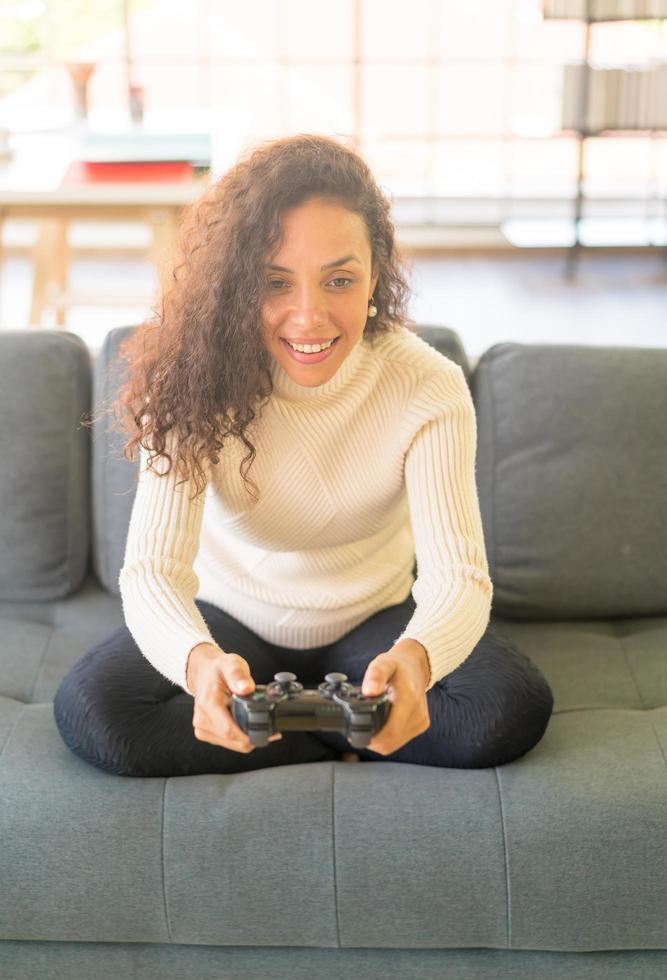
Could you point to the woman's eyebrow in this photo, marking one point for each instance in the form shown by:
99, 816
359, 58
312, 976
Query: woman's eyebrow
328, 265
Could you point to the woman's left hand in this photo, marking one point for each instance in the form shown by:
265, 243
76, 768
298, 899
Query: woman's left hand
404, 671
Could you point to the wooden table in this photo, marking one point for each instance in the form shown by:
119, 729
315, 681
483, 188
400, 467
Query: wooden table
30, 188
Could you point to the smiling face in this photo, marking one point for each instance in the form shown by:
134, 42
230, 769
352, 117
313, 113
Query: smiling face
317, 288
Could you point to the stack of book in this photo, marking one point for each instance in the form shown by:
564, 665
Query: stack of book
139, 156
605, 9
617, 98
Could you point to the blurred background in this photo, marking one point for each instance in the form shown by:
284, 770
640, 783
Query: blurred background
521, 143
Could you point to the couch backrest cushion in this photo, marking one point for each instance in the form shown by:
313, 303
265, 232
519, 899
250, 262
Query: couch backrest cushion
572, 477
115, 478
45, 391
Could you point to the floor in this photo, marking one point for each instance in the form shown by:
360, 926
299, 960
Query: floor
616, 298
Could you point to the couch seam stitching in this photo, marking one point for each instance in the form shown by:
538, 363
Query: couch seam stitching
333, 842
71, 456
631, 672
492, 400
13, 729
639, 695
47, 647
164, 877
655, 732
106, 564
505, 854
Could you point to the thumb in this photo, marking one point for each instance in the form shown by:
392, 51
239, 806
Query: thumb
374, 679
241, 684
239, 678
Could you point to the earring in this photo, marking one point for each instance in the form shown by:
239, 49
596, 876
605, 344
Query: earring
372, 310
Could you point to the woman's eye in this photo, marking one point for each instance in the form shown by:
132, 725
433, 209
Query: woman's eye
279, 282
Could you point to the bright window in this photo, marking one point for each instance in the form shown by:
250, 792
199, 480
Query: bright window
447, 99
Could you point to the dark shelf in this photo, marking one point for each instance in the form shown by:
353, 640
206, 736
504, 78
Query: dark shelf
603, 20
576, 245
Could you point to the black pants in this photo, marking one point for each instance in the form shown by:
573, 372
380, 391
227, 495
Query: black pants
115, 711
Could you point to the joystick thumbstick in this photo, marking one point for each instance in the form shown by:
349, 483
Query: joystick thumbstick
336, 680
285, 680
284, 677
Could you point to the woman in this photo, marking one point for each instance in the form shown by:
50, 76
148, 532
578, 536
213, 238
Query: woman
285, 321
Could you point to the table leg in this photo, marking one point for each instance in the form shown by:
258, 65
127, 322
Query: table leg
164, 225
2, 224
51, 264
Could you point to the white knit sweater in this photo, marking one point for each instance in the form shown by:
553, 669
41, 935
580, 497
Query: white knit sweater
357, 476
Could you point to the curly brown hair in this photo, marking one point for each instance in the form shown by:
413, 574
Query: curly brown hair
201, 370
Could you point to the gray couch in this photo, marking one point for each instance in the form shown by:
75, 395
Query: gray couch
554, 865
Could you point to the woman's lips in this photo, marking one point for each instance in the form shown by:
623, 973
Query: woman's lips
311, 340
303, 358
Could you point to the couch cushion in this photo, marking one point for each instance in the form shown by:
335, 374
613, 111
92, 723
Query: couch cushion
563, 849
572, 477
45, 389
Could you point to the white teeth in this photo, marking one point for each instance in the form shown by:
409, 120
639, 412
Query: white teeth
310, 348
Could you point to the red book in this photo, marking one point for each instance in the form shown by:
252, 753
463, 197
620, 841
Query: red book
148, 172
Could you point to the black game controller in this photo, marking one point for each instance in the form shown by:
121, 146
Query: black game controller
284, 706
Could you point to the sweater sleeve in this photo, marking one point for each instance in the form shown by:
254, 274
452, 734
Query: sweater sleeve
452, 590
157, 582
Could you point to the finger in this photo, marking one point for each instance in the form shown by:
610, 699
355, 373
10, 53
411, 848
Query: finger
224, 723
374, 684
241, 744
389, 740
237, 745
221, 723
386, 747
392, 734
222, 726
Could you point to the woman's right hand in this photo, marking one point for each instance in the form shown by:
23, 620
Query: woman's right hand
213, 676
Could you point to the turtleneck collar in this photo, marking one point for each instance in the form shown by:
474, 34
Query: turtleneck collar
285, 387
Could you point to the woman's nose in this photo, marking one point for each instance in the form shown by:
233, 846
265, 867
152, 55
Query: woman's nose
308, 303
